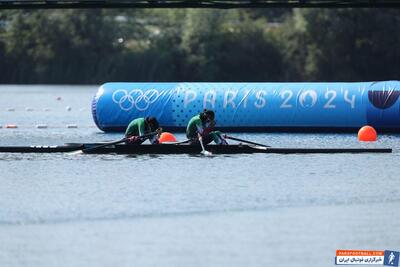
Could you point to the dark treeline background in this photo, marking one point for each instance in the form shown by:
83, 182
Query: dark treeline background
96, 46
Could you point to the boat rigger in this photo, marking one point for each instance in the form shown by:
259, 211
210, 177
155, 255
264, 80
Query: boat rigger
99, 148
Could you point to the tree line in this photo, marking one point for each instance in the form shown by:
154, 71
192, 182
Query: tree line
98, 45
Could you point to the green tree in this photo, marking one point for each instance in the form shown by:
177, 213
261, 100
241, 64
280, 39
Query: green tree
228, 45
341, 44
95, 46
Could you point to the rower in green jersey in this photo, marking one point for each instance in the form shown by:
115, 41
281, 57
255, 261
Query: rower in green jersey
201, 126
142, 126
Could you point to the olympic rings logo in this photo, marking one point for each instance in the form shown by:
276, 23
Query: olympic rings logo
135, 98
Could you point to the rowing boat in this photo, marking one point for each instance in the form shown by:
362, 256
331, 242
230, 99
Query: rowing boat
181, 149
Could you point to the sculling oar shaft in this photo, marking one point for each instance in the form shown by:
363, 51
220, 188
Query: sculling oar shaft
244, 141
116, 142
204, 151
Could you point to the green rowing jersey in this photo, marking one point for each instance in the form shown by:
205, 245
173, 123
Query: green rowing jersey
136, 128
195, 126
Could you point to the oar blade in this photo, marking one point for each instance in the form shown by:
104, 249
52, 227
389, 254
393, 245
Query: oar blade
206, 153
203, 150
77, 152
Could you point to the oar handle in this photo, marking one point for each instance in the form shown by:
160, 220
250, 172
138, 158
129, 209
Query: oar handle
116, 142
244, 141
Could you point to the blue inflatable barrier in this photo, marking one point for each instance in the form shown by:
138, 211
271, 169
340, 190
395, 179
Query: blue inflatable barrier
252, 106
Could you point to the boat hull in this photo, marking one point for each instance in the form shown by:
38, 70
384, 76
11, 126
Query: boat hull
230, 149
182, 149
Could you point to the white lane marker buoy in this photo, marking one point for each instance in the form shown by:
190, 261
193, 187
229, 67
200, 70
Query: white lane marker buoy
68, 108
46, 109
29, 109
71, 126
11, 109
11, 126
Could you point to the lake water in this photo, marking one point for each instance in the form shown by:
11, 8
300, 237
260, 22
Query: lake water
184, 210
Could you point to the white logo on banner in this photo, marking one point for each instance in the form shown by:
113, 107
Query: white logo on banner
308, 98
135, 98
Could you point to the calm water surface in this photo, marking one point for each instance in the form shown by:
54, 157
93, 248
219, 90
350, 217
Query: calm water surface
184, 210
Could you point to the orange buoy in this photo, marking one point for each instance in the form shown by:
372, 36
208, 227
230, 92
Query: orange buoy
367, 134
167, 137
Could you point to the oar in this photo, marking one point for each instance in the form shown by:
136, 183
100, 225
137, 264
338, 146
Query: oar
244, 141
116, 142
204, 151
